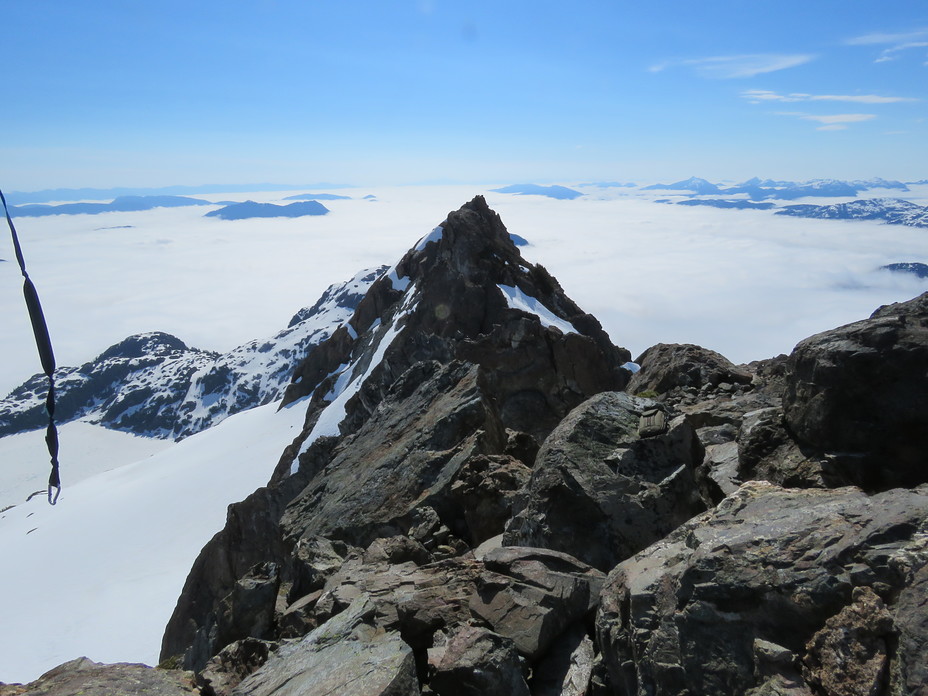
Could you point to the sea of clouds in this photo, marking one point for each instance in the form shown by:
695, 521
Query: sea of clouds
749, 284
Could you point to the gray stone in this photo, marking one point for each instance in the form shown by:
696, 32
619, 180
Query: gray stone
347, 655
768, 563
532, 595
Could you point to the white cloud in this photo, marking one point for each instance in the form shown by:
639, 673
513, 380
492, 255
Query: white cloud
830, 122
885, 38
731, 67
897, 43
761, 95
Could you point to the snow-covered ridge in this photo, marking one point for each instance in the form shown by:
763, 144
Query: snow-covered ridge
155, 385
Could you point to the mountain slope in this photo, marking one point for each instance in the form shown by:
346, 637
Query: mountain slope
155, 385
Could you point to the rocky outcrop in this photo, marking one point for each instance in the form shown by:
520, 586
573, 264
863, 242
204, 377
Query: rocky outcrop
83, 676
860, 393
155, 385
805, 570
666, 366
602, 491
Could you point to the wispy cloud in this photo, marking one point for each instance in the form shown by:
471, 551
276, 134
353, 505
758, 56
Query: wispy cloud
757, 96
731, 67
896, 43
830, 122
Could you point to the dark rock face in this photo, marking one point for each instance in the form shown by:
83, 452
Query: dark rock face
861, 391
155, 385
601, 491
798, 569
668, 365
457, 362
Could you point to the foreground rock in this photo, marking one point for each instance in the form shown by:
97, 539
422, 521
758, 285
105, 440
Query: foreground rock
860, 392
346, 655
602, 491
772, 583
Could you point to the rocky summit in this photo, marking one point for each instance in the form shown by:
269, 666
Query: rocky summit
484, 500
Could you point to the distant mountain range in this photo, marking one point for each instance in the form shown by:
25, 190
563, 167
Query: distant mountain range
83, 194
919, 270
762, 189
892, 211
558, 192
726, 203
120, 204
250, 209
317, 197
694, 184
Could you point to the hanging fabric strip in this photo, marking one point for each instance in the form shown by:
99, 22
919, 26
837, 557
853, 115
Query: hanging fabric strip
46, 355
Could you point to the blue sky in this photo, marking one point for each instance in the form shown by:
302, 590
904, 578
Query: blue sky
133, 93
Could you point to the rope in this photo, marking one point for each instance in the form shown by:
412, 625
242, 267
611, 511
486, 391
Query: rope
46, 355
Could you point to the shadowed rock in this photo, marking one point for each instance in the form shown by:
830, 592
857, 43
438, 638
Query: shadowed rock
602, 492
861, 391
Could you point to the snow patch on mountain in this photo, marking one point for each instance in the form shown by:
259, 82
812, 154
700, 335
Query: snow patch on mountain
516, 299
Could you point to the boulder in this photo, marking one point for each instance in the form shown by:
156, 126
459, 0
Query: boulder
485, 488
602, 492
476, 662
668, 365
532, 595
567, 667
769, 564
861, 391
347, 655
